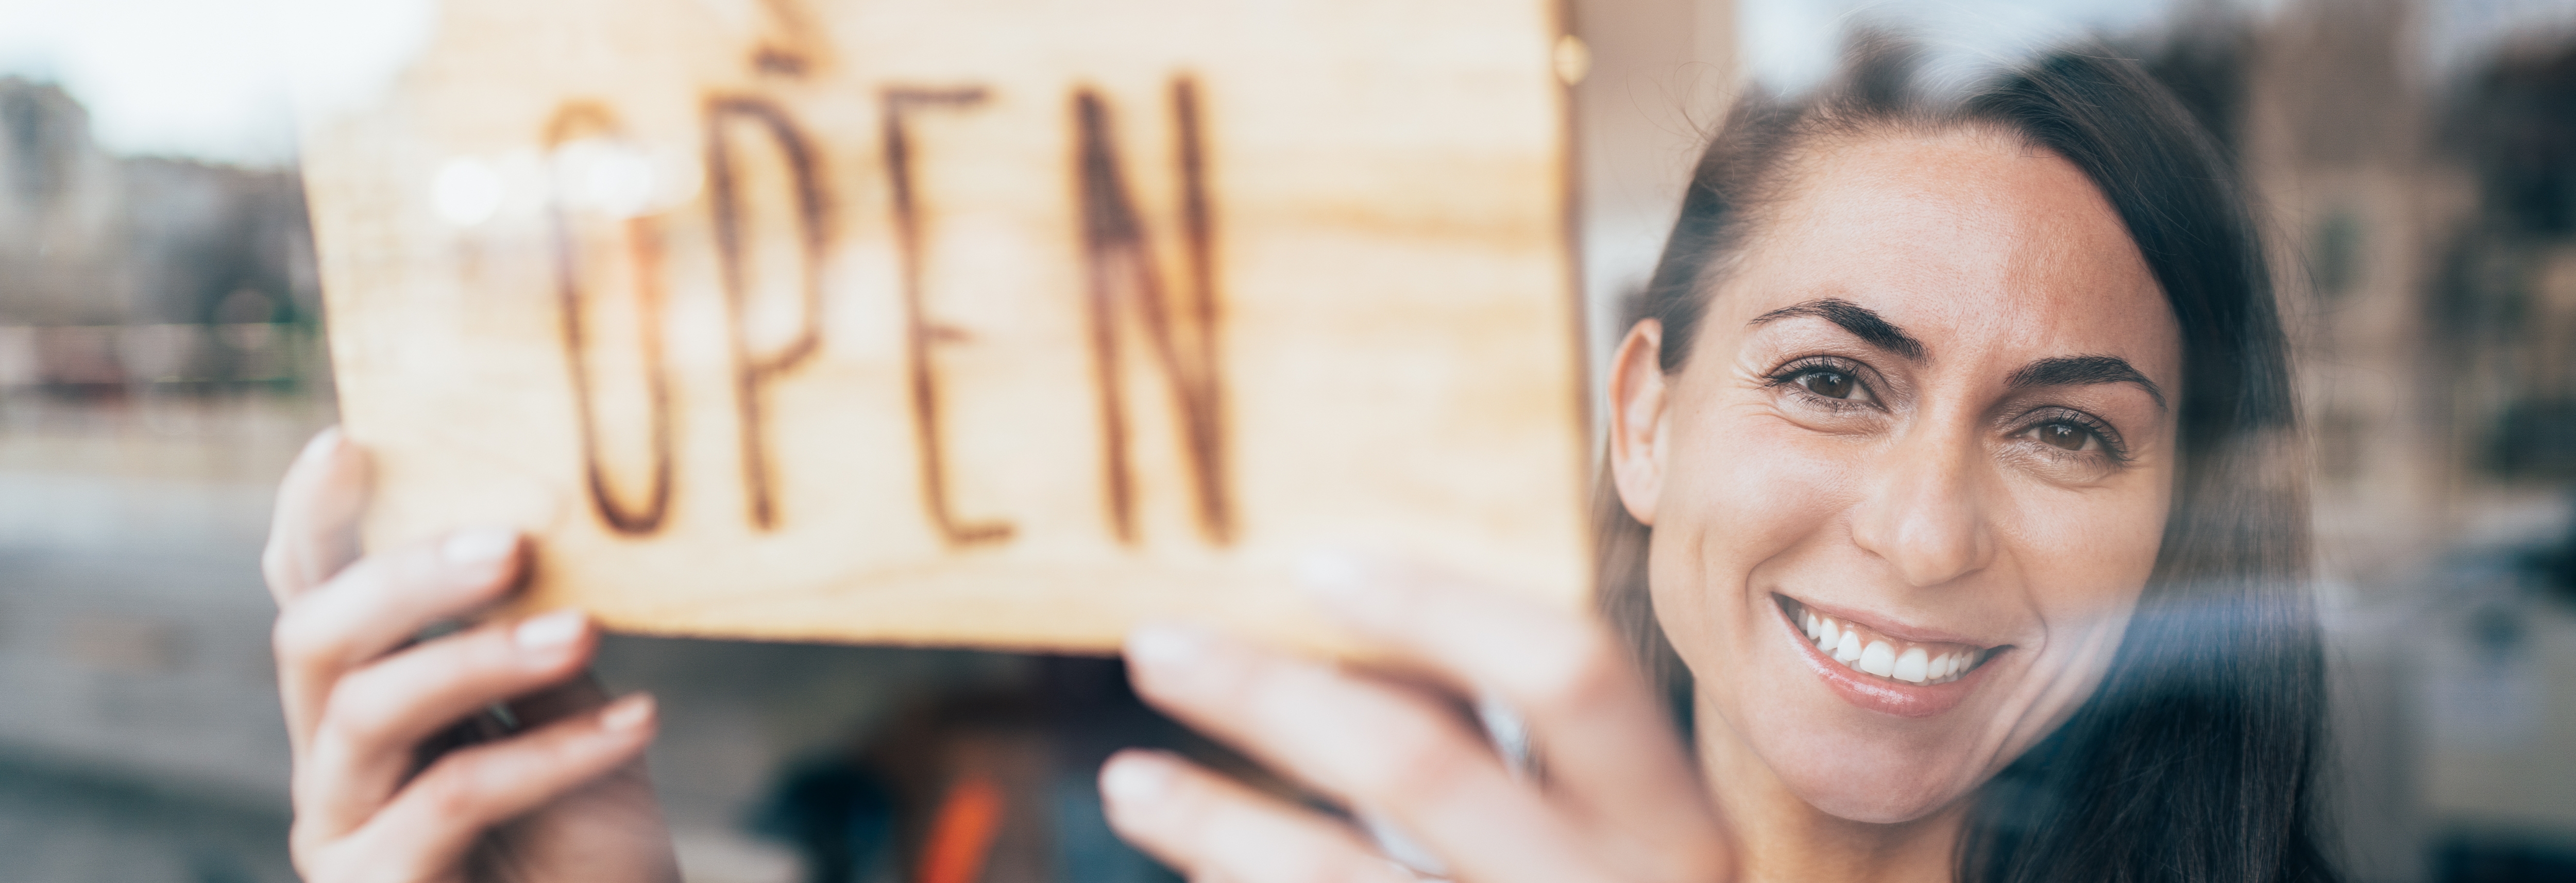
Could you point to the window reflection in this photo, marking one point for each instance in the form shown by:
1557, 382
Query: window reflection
161, 360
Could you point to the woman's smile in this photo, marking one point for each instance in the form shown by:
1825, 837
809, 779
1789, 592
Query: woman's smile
1884, 667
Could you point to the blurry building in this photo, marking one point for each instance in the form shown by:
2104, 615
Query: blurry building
2334, 138
2425, 232
59, 230
117, 271
2502, 302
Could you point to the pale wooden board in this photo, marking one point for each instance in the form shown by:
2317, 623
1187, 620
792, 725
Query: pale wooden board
1394, 359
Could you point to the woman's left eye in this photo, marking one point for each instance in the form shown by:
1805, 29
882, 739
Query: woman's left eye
2067, 436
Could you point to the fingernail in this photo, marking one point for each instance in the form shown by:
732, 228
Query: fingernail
1138, 777
1166, 646
627, 713
1406, 851
480, 547
550, 631
322, 441
1344, 584
1332, 574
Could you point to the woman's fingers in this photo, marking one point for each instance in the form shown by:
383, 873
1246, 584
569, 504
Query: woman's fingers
1209, 827
440, 815
377, 716
377, 605
1599, 730
580, 695
1383, 748
314, 532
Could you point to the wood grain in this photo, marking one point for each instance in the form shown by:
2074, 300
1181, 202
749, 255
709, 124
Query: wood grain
983, 322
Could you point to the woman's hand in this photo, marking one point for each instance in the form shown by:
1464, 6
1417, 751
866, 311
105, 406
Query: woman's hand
1618, 799
402, 770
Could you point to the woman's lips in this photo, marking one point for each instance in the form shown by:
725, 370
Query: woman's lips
1880, 673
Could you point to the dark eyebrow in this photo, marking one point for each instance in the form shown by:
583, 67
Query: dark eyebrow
2082, 371
1857, 319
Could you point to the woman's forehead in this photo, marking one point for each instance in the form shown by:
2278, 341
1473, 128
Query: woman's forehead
1970, 241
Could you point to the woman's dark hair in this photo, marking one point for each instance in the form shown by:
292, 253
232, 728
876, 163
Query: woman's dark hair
2196, 759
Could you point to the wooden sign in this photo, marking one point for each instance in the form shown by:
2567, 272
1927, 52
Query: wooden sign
990, 322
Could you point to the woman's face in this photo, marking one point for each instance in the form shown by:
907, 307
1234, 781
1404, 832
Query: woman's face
1912, 478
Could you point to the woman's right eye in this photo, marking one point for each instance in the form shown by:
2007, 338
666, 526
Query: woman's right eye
1830, 383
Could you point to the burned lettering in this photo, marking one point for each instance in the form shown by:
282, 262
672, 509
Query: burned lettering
1182, 337
921, 332
753, 371
643, 250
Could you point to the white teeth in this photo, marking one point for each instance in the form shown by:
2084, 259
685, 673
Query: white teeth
1879, 659
1884, 658
1912, 665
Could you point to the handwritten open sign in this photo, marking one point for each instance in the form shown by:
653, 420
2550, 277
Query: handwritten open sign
992, 322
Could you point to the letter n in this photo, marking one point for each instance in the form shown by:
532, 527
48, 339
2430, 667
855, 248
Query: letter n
1181, 332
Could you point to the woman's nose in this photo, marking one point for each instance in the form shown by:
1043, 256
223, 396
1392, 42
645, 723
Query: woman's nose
1924, 513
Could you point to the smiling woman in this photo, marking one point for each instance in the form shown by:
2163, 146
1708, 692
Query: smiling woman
1951, 489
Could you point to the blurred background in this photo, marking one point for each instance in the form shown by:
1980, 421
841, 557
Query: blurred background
160, 363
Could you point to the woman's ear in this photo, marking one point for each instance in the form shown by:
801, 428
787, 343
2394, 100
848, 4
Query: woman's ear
1637, 412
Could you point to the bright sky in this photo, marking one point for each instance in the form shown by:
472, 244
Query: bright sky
213, 78
1791, 44
207, 78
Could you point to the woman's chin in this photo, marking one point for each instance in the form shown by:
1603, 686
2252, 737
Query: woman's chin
1863, 773
1867, 794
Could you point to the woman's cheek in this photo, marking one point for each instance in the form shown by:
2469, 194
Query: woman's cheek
2089, 555
2084, 559
1782, 486
1746, 487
